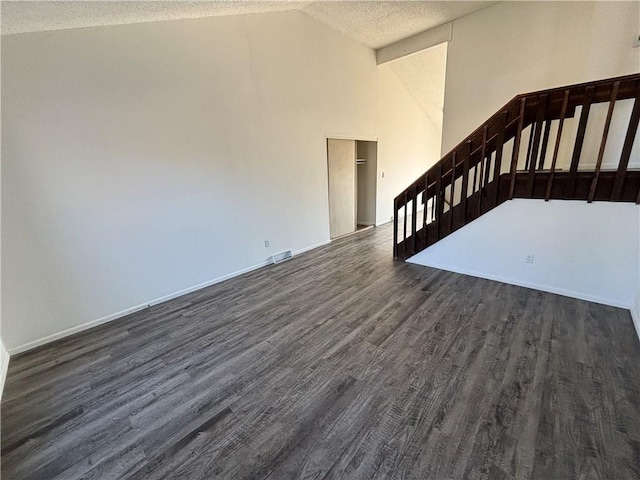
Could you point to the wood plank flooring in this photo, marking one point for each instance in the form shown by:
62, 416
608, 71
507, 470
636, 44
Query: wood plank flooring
337, 364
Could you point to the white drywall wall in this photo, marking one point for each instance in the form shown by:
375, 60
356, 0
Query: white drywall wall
517, 47
143, 161
401, 159
587, 251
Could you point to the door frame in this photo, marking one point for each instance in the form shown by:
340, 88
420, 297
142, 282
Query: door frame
356, 138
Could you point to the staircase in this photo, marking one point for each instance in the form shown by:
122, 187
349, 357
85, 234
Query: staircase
492, 165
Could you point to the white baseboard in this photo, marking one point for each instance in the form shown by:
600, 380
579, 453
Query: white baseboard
179, 293
114, 316
4, 366
535, 286
78, 328
306, 249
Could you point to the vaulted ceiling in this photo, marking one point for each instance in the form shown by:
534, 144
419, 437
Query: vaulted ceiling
373, 23
377, 24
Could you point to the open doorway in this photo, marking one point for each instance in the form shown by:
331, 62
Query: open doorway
352, 173
366, 175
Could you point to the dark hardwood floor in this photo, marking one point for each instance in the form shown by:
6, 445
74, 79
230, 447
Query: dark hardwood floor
337, 364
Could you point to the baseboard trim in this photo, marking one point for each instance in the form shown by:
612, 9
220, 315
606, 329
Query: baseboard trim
535, 286
179, 293
77, 329
128, 311
312, 247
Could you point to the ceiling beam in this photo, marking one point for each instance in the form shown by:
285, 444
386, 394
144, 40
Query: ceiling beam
414, 44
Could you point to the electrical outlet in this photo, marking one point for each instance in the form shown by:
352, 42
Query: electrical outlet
266, 244
529, 258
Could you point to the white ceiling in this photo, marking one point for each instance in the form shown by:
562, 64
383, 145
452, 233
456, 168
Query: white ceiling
38, 16
423, 74
374, 23
378, 24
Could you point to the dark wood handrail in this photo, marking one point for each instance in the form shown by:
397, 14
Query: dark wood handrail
471, 174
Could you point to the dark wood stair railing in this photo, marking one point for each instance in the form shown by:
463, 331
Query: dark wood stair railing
469, 180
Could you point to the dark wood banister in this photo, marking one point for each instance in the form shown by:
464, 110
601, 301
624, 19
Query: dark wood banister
482, 152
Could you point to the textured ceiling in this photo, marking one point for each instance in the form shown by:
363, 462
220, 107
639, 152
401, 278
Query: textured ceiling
38, 16
422, 74
374, 23
378, 24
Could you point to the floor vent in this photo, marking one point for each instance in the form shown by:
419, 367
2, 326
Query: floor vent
281, 257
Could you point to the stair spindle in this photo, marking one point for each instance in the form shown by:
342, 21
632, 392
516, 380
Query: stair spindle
563, 113
451, 197
483, 152
577, 149
516, 148
527, 161
395, 228
487, 169
603, 142
464, 193
433, 208
475, 178
414, 215
542, 107
545, 143
502, 126
425, 199
626, 149
439, 200
404, 238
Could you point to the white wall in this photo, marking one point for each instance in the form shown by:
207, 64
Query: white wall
140, 161
587, 251
409, 141
518, 47
144, 159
